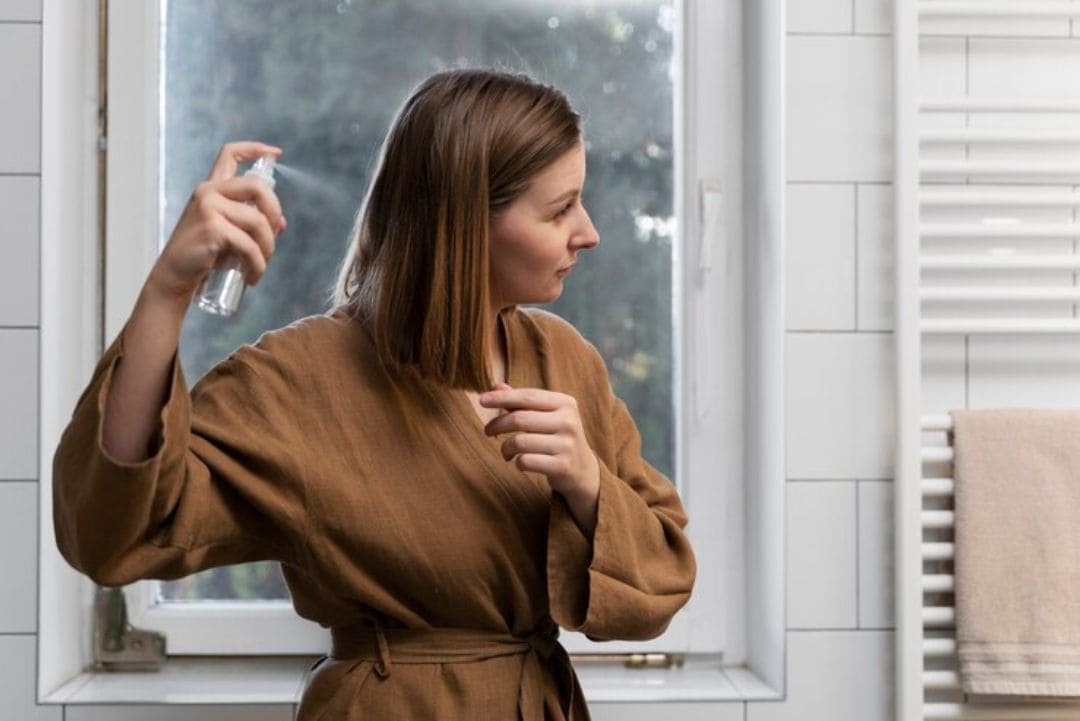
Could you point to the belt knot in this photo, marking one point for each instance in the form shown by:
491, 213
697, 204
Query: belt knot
545, 638
449, 645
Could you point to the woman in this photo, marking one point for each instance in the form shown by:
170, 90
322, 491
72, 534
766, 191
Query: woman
441, 535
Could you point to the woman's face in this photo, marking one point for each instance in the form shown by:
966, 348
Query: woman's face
539, 233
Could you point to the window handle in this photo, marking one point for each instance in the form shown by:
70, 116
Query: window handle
712, 221
711, 233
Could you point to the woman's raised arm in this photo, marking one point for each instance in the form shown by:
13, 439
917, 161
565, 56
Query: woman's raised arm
216, 220
153, 481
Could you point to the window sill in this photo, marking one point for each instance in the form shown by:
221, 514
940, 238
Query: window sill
277, 679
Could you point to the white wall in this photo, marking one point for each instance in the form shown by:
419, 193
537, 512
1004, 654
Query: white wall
20, 146
839, 379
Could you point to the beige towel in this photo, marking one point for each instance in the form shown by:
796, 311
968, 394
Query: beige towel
1017, 546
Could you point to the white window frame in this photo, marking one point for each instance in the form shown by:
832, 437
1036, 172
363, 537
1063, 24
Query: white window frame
738, 604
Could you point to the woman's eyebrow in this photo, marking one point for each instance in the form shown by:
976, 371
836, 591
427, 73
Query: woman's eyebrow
568, 194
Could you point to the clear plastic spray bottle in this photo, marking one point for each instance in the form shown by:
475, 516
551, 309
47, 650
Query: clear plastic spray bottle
223, 288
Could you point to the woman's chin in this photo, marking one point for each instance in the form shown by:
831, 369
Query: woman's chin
546, 296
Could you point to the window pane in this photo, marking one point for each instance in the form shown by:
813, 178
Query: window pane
323, 80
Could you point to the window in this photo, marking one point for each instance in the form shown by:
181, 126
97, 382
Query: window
224, 78
323, 81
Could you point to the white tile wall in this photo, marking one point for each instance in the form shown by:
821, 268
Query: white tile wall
19, 219
822, 16
875, 548
840, 368
834, 676
18, 661
873, 16
20, 87
840, 405
18, 558
820, 257
839, 109
20, 11
1038, 27
944, 375
18, 403
821, 554
874, 249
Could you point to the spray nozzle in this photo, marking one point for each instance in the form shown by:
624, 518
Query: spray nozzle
263, 167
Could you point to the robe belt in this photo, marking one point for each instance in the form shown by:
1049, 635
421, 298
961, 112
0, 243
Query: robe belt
387, 646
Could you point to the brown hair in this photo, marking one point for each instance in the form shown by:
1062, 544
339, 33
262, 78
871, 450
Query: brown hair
462, 147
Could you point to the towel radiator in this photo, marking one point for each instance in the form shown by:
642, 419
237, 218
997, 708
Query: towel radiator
928, 684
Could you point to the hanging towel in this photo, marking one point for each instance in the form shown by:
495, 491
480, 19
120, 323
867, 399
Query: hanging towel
1017, 550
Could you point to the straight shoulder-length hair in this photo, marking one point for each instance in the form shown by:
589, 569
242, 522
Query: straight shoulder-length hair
464, 146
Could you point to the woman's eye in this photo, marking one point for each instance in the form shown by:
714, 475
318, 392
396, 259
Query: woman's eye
564, 211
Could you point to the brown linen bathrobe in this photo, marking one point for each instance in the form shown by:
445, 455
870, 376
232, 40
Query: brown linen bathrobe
435, 563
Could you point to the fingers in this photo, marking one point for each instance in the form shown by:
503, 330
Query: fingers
232, 154
253, 222
534, 443
538, 398
553, 466
533, 421
251, 189
240, 245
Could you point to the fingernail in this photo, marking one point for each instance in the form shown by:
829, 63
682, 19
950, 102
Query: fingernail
485, 398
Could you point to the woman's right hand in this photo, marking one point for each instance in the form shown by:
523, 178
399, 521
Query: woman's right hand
217, 221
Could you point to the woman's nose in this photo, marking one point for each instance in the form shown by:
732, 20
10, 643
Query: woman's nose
588, 236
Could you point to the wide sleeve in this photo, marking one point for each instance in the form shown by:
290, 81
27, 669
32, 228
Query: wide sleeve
638, 569
220, 487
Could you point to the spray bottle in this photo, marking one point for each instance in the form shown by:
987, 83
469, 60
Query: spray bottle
223, 288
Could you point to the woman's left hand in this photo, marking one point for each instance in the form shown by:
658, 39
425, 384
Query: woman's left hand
549, 439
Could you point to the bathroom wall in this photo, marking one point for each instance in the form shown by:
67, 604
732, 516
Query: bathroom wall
839, 377
20, 133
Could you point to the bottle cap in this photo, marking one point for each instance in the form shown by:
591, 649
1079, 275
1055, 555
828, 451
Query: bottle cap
263, 167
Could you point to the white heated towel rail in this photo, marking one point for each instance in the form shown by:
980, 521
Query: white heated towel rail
939, 691
928, 684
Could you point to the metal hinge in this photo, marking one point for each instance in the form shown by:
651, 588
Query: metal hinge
118, 646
